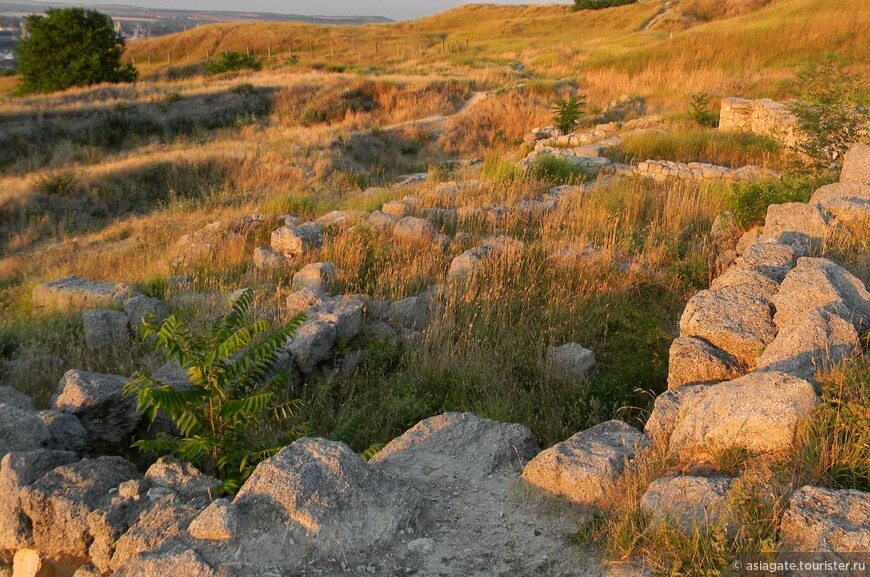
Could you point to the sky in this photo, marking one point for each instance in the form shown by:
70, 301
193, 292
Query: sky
395, 9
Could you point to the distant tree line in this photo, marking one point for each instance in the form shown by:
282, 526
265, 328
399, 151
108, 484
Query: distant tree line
598, 4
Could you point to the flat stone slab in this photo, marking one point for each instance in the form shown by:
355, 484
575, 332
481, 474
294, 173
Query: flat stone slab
75, 293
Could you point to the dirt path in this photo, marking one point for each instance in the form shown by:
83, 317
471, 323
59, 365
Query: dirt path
476, 98
657, 18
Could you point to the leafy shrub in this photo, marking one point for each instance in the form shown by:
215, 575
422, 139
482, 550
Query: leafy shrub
598, 4
749, 201
700, 111
58, 183
236, 411
568, 112
828, 109
230, 61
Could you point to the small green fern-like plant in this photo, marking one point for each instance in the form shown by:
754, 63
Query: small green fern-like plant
568, 112
236, 411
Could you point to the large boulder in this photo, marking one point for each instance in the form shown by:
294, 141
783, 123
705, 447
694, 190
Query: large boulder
841, 190
18, 470
826, 520
693, 361
317, 276
297, 240
809, 343
856, 164
570, 361
329, 497
820, 283
105, 328
312, 344
409, 313
853, 214
183, 479
15, 398
666, 411
74, 293
584, 468
759, 412
346, 315
167, 519
218, 522
457, 446
175, 561
59, 503
770, 258
21, 430
65, 431
98, 402
141, 307
746, 278
798, 225
266, 259
734, 319
687, 502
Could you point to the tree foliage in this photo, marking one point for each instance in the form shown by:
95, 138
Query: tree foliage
71, 47
828, 109
236, 411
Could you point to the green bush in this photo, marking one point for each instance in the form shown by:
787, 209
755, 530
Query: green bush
749, 201
557, 169
568, 112
598, 4
236, 411
828, 109
230, 61
71, 47
700, 110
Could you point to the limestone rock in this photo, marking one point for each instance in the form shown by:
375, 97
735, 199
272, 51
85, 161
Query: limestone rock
571, 361
218, 522
177, 561
413, 229
329, 496
457, 446
725, 232
17, 470
109, 523
105, 328
14, 398
74, 293
65, 431
409, 313
31, 563
758, 412
749, 238
21, 430
584, 468
826, 520
346, 315
59, 503
302, 301
856, 164
693, 361
820, 283
814, 341
297, 240
318, 276
267, 259
466, 264
141, 307
687, 502
97, 400
746, 278
770, 258
168, 518
734, 319
341, 218
397, 208
798, 225
841, 190
666, 411
182, 478
382, 220
851, 213
312, 345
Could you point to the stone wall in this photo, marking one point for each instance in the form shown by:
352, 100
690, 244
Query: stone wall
766, 117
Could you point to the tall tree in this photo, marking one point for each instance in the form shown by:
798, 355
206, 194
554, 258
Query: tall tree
71, 47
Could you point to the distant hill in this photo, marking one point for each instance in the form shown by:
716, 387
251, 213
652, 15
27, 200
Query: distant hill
154, 22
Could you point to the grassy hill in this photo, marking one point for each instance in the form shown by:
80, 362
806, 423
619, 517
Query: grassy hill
749, 51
